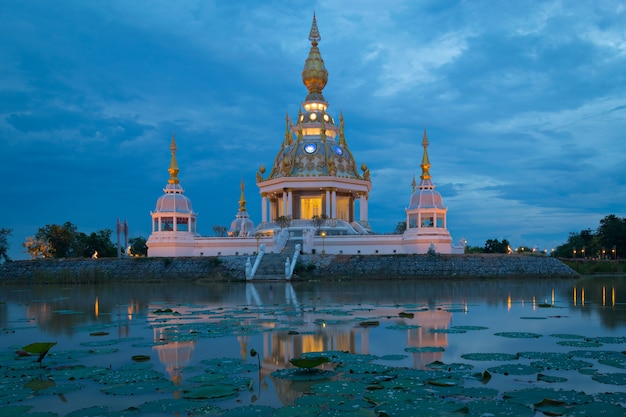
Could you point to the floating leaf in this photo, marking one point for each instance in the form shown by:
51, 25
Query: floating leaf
370, 323
140, 358
550, 378
489, 356
612, 379
404, 315
515, 369
424, 349
518, 335
40, 348
206, 392
309, 363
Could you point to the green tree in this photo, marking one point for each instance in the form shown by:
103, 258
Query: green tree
612, 233
283, 221
318, 222
474, 249
60, 238
495, 246
400, 228
4, 243
138, 246
220, 231
97, 242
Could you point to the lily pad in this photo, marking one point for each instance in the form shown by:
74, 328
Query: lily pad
339, 387
518, 335
423, 349
550, 378
303, 374
309, 363
612, 379
250, 411
489, 356
515, 369
211, 391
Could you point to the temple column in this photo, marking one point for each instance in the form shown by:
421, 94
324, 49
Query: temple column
362, 208
334, 204
264, 208
327, 211
290, 204
284, 202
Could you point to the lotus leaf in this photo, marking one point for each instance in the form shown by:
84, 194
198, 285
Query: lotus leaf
579, 343
309, 363
518, 335
297, 411
536, 395
612, 379
550, 378
211, 391
424, 349
250, 411
515, 369
303, 374
489, 356
339, 387
499, 409
595, 409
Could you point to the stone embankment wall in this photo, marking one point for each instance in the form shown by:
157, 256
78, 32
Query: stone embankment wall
319, 267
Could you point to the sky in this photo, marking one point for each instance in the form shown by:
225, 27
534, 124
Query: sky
524, 104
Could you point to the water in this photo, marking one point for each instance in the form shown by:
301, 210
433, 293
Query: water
281, 321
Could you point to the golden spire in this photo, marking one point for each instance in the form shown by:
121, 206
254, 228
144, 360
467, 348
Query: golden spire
425, 162
288, 137
342, 136
173, 169
242, 198
314, 75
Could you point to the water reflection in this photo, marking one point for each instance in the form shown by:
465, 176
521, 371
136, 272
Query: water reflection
299, 317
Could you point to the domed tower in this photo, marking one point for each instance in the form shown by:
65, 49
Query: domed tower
173, 219
426, 214
242, 225
314, 174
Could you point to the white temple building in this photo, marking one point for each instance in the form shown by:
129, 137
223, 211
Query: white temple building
314, 195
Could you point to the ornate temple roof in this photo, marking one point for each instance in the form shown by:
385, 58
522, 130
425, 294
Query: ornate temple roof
242, 225
315, 145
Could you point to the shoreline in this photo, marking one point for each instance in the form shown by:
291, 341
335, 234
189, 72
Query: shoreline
309, 268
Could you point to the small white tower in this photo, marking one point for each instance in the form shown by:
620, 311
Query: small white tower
173, 219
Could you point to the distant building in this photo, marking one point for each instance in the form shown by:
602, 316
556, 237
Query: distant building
314, 195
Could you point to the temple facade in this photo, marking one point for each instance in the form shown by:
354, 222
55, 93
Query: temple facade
314, 195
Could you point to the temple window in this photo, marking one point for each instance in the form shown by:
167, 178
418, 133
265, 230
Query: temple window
167, 224
182, 224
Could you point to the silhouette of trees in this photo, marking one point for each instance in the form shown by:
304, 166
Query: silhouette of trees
4, 243
608, 241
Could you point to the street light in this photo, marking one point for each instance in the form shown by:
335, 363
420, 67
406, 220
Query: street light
613, 250
323, 234
574, 253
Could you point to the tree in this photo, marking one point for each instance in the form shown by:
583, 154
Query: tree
87, 245
495, 246
60, 239
400, 228
611, 233
283, 221
220, 231
4, 243
37, 248
318, 222
138, 246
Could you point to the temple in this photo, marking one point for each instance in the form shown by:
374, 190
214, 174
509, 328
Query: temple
314, 195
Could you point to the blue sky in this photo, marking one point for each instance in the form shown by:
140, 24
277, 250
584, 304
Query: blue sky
524, 104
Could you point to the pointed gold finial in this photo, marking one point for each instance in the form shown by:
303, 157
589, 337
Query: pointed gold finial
173, 169
314, 74
314, 35
425, 162
242, 198
342, 136
288, 136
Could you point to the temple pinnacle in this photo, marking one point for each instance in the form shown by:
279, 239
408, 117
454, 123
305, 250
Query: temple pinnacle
173, 169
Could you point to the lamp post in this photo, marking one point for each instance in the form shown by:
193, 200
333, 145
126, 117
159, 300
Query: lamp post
323, 234
614, 255
574, 253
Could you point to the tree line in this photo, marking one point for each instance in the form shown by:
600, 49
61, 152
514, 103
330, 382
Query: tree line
66, 241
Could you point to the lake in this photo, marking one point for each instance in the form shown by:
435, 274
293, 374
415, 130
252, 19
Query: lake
403, 348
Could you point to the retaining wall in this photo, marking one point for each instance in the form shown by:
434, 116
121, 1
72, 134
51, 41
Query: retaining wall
322, 267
